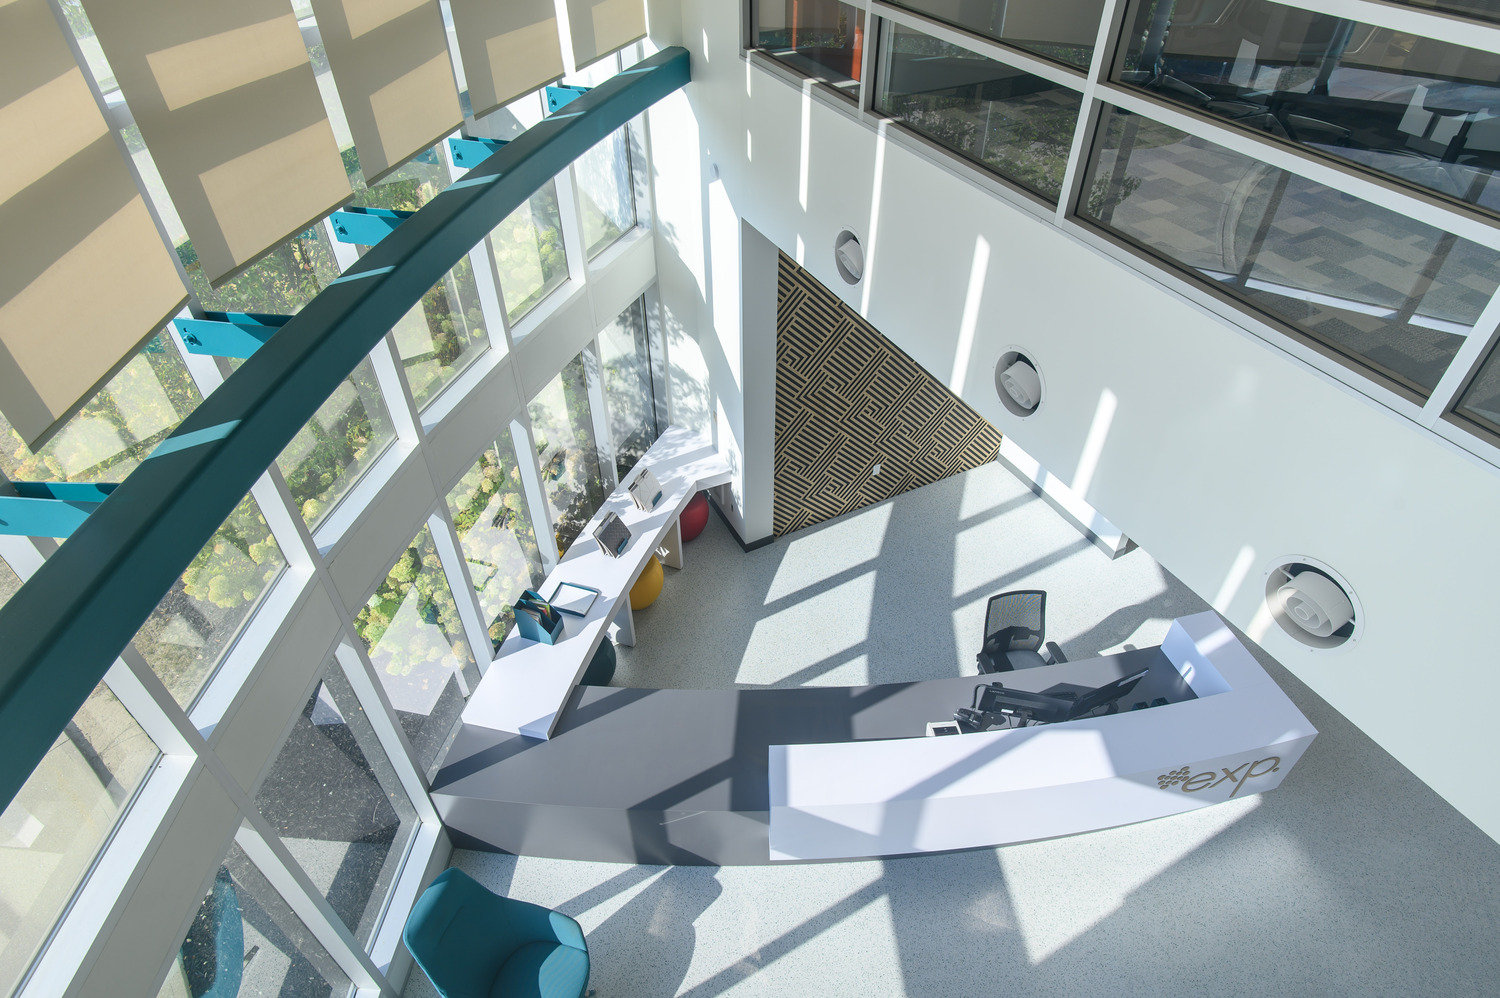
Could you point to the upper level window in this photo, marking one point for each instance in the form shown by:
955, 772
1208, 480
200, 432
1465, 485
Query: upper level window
1424, 112
1480, 402
1063, 30
819, 38
1393, 295
1017, 124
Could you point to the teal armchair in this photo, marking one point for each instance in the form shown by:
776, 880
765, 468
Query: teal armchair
474, 944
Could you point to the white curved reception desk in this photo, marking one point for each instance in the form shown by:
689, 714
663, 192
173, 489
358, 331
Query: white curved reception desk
1240, 735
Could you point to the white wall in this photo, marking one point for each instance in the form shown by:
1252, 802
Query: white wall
1219, 442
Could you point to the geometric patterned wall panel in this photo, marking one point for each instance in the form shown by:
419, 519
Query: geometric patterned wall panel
847, 399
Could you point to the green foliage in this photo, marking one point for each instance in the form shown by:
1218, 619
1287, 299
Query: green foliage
529, 252
281, 282
100, 444
416, 576
238, 563
490, 517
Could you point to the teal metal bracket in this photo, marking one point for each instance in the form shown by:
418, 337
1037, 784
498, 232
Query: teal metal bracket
469, 153
366, 226
562, 95
50, 509
228, 334
63, 630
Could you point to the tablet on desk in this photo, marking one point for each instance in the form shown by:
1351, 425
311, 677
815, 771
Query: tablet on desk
570, 597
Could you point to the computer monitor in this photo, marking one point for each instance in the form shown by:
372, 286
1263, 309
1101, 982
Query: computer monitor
1101, 695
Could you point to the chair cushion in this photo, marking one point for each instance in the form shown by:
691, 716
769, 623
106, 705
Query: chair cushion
543, 970
1019, 658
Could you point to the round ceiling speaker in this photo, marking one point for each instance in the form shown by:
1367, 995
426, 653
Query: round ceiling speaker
1316, 603
1023, 384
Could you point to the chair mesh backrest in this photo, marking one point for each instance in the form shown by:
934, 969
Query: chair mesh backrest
1018, 609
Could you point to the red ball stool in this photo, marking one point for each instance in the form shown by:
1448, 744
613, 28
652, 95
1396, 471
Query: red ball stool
694, 517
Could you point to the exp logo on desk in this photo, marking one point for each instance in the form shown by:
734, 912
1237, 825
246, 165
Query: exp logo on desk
1239, 776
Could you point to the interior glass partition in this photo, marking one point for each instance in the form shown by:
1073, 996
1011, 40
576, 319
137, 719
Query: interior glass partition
494, 527
1016, 124
1063, 30
1483, 10
246, 940
416, 642
1389, 293
1480, 402
562, 423
625, 355
189, 632
337, 804
63, 815
1420, 111
819, 38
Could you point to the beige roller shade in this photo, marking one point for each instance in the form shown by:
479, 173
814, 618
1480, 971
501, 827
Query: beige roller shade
599, 27
225, 98
508, 48
84, 274
390, 60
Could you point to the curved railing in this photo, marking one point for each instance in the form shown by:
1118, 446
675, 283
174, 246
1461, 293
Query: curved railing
61, 632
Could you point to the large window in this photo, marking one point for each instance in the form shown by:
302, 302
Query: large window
1417, 110
625, 355
246, 940
562, 421
416, 642
604, 193
442, 335
529, 252
819, 38
61, 818
1057, 29
1382, 290
489, 512
195, 623
336, 802
1019, 125
344, 437
116, 429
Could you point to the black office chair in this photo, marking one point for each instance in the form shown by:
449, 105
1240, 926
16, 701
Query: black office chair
1014, 628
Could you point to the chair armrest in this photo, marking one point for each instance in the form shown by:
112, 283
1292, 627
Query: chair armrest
1055, 653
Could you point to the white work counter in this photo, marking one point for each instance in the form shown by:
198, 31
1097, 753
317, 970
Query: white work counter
1240, 736
528, 682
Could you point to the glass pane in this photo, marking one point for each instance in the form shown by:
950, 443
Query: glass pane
336, 802
442, 334
626, 356
495, 529
1019, 125
409, 186
116, 429
417, 645
1391, 294
196, 622
337, 446
1484, 10
821, 38
280, 283
51, 832
562, 424
1418, 110
247, 941
1056, 29
1481, 401
604, 193
529, 252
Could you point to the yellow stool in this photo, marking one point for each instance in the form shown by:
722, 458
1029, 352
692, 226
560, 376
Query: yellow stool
648, 586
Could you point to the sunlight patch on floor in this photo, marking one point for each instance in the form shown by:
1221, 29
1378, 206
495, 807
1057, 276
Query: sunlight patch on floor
1050, 906
827, 550
811, 631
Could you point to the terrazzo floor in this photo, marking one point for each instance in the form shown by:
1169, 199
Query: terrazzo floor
1352, 878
